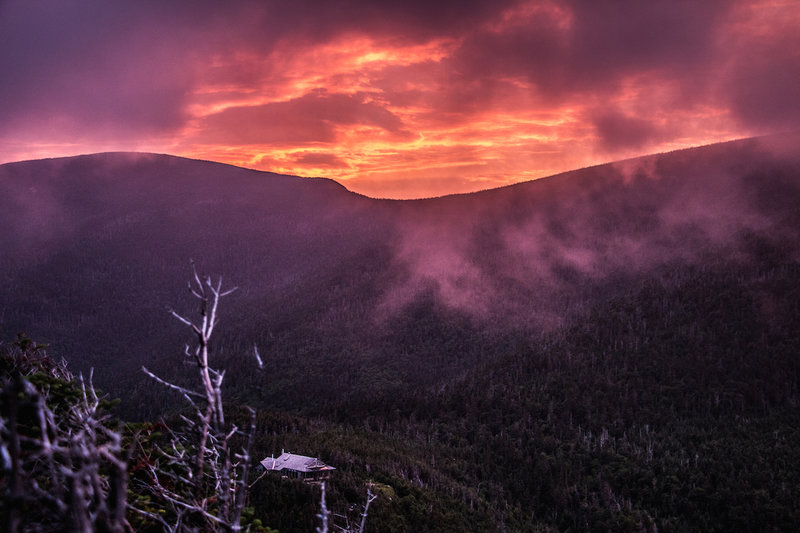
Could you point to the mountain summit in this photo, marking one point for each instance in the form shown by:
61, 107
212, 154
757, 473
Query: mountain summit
379, 293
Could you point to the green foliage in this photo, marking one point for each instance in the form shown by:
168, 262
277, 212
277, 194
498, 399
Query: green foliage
63, 467
670, 407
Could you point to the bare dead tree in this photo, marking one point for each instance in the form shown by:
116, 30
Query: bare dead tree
200, 477
370, 498
64, 464
64, 467
324, 514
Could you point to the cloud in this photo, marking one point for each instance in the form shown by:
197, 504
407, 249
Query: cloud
370, 81
312, 118
619, 131
89, 69
319, 159
402, 20
762, 75
578, 48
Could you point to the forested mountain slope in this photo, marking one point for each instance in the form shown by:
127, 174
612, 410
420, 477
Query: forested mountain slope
611, 349
346, 294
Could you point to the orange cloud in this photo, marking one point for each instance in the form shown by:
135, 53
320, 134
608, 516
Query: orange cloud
400, 99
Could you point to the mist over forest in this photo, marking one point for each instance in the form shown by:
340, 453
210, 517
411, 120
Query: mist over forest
612, 348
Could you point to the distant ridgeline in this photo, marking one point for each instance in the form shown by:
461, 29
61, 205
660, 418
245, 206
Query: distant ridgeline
613, 348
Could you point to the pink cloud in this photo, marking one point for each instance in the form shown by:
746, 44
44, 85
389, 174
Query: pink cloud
311, 118
387, 88
317, 159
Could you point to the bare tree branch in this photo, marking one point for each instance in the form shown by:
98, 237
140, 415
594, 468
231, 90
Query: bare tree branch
370, 498
208, 478
324, 513
178, 388
69, 469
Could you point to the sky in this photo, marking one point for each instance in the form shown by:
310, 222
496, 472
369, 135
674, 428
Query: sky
398, 98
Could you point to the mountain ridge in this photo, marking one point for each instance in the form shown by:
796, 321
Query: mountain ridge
133, 155
102, 246
614, 347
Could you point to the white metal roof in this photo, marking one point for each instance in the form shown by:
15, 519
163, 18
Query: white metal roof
298, 463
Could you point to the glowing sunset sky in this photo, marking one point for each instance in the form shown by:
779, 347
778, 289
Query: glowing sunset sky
395, 98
